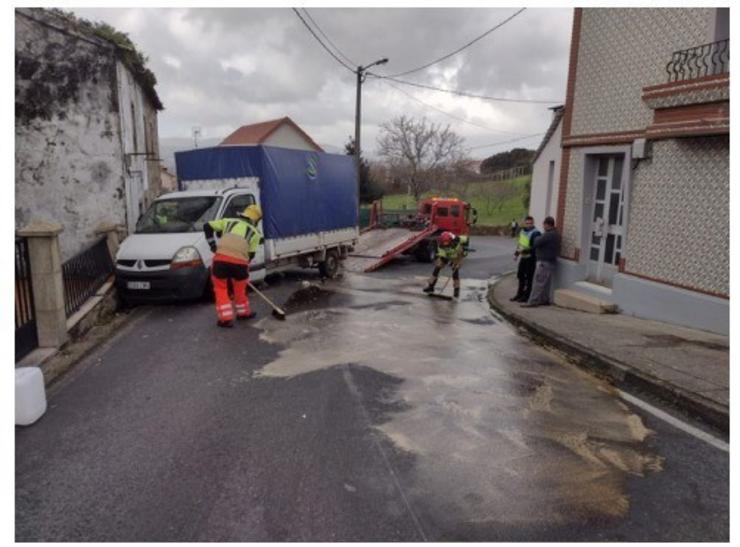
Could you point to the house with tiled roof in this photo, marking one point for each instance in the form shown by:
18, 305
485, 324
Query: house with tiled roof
282, 133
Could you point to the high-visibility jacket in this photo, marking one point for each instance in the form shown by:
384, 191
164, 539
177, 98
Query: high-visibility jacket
456, 251
524, 243
239, 237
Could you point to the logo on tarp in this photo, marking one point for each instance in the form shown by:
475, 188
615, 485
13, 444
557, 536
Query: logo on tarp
312, 167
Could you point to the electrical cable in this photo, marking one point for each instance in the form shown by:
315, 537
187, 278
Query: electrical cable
352, 70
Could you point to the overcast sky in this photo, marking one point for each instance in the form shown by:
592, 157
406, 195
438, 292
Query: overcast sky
222, 68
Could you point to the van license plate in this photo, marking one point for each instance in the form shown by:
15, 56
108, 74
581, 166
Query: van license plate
138, 285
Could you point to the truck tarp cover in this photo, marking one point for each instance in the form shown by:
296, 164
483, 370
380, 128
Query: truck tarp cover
301, 192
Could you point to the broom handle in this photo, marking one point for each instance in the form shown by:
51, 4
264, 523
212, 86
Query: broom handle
274, 307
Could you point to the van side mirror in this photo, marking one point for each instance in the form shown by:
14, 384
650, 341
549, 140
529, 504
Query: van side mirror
475, 216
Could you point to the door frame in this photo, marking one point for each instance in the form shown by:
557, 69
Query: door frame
589, 159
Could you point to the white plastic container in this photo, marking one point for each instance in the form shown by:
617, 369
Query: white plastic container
30, 396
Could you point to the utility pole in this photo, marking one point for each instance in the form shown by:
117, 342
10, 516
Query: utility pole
360, 79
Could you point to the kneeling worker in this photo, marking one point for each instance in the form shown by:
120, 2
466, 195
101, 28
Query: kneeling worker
451, 249
237, 244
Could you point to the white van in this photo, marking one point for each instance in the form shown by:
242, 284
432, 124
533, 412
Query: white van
167, 257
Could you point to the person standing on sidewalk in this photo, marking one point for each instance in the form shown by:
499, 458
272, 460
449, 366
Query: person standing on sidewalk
237, 245
547, 247
527, 259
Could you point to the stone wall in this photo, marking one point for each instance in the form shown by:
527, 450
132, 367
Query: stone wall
79, 161
68, 154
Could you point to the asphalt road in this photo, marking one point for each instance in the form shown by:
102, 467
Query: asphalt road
372, 413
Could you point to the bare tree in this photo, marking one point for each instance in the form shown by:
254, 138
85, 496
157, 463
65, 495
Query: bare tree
420, 150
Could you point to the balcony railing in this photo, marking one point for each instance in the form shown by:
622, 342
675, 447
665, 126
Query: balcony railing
695, 62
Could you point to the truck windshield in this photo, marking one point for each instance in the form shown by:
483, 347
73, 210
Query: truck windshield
178, 215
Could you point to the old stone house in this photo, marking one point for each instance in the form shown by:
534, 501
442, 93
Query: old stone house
643, 201
86, 143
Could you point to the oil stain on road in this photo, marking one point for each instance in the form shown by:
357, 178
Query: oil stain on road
500, 430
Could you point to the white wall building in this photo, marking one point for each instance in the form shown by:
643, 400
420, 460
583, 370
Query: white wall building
86, 147
546, 171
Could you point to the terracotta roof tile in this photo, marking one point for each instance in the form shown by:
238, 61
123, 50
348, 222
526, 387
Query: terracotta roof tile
258, 133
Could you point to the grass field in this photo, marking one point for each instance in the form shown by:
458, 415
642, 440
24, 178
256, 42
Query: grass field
497, 203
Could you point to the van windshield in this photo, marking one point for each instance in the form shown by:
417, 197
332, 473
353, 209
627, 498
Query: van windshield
178, 215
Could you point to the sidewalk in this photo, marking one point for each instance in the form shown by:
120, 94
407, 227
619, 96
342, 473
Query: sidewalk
686, 367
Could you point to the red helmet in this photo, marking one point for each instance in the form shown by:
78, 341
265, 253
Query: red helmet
446, 239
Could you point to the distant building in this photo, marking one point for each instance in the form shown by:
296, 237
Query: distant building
86, 145
546, 171
283, 133
643, 203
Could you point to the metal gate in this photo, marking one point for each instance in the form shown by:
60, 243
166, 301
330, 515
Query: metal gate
26, 336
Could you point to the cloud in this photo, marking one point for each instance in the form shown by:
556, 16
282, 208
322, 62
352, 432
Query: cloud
221, 68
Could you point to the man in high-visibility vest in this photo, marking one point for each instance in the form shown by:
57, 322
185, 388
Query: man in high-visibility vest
451, 249
527, 259
237, 245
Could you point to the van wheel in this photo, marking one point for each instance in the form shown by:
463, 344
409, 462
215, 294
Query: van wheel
330, 266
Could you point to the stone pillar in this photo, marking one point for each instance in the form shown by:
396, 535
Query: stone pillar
48, 285
112, 233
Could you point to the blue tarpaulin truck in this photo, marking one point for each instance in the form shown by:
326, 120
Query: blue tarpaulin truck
309, 202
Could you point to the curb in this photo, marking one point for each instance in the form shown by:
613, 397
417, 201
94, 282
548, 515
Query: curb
617, 373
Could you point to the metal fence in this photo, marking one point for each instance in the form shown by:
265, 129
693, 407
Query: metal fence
26, 335
84, 274
695, 62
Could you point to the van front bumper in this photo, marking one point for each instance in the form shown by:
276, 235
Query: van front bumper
163, 285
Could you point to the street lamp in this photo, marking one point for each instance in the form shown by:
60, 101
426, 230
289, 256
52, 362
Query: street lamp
361, 78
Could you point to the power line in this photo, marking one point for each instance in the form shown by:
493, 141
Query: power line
339, 51
505, 142
409, 95
473, 41
463, 93
337, 59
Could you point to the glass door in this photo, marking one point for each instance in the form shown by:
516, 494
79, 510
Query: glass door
607, 228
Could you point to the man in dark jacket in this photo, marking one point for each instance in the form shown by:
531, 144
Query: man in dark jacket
527, 259
547, 247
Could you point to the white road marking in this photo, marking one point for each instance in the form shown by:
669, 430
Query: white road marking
675, 422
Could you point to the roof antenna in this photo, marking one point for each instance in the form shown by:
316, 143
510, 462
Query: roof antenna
196, 133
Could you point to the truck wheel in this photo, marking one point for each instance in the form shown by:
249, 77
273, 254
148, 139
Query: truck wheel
425, 251
330, 266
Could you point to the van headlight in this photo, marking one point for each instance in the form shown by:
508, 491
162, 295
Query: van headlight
187, 257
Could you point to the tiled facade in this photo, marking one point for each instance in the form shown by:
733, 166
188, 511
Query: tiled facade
673, 133
685, 181
680, 214
623, 50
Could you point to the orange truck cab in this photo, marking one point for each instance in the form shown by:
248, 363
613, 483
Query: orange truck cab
448, 214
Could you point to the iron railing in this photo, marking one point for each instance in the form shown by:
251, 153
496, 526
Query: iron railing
695, 62
84, 274
26, 335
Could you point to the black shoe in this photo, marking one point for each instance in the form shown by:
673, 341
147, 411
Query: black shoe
429, 289
456, 294
225, 324
516, 298
249, 316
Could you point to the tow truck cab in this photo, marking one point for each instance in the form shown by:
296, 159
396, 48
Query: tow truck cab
448, 214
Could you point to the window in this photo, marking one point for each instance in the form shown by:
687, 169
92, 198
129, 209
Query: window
442, 211
178, 215
455, 211
237, 205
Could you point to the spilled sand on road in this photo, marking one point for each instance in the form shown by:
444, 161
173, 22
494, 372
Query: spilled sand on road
501, 430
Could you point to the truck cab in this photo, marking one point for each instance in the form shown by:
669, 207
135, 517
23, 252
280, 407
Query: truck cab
448, 214
167, 257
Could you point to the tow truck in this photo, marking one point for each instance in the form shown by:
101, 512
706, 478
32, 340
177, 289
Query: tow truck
393, 234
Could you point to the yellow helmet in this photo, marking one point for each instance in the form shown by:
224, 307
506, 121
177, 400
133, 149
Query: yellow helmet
253, 212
